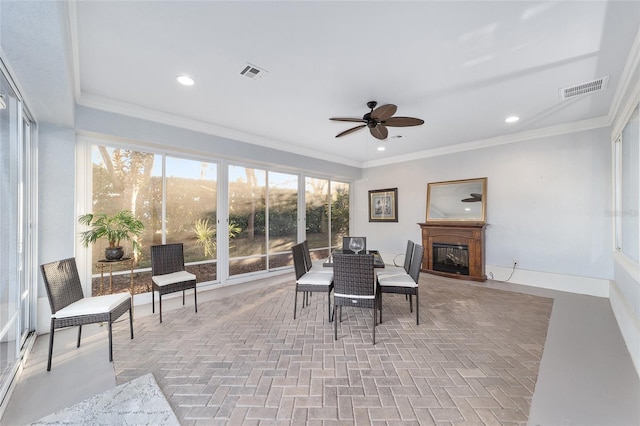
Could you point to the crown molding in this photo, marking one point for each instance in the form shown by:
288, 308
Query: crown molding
561, 129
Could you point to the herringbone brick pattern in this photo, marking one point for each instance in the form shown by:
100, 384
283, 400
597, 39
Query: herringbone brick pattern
244, 360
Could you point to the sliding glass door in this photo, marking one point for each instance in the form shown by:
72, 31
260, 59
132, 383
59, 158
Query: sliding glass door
15, 287
250, 226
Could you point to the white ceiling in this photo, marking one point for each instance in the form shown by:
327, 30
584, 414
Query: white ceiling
461, 66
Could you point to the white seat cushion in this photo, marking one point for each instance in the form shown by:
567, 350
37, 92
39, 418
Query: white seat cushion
172, 278
391, 270
316, 278
397, 281
92, 305
320, 269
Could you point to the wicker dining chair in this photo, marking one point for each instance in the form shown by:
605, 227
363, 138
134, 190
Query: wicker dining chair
309, 263
69, 307
400, 270
309, 282
354, 285
169, 275
406, 284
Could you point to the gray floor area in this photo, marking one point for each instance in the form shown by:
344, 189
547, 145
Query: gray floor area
586, 376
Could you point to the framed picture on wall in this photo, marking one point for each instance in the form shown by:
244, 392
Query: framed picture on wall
383, 205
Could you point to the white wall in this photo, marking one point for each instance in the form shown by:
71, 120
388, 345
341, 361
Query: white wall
56, 210
548, 205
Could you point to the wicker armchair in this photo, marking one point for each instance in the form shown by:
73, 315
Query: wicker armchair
69, 307
354, 285
406, 284
169, 275
309, 282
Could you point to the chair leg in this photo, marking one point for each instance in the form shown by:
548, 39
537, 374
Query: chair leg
195, 299
335, 323
131, 321
79, 334
329, 304
153, 301
160, 299
50, 345
110, 341
374, 325
410, 304
417, 309
295, 301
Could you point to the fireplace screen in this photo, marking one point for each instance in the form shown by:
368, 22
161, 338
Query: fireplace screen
451, 258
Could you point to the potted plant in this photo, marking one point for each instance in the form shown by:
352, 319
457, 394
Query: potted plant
121, 226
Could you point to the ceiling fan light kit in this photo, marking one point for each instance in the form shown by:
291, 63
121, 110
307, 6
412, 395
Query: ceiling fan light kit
378, 119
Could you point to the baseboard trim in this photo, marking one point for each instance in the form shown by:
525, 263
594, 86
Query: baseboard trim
628, 324
570, 283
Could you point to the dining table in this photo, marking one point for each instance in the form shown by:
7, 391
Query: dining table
377, 259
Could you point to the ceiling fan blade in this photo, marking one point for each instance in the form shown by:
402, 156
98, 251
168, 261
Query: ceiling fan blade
379, 132
383, 112
474, 198
403, 122
351, 120
351, 130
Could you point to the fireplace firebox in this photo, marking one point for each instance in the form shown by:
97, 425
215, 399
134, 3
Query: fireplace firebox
451, 258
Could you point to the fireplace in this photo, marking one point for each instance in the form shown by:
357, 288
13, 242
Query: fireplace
451, 258
454, 250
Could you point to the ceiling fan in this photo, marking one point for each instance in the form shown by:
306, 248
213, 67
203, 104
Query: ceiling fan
473, 199
378, 119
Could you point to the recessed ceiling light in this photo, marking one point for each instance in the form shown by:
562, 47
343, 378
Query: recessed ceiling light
467, 209
185, 80
381, 148
512, 119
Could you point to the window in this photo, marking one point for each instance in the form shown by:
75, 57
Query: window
175, 198
283, 218
317, 215
627, 191
178, 200
191, 212
247, 224
327, 215
339, 212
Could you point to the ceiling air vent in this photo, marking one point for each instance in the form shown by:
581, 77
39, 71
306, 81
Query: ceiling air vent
253, 72
584, 88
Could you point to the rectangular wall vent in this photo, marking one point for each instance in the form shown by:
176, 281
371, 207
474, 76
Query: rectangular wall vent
253, 72
584, 88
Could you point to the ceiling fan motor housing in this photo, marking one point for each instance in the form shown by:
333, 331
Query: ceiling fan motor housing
371, 123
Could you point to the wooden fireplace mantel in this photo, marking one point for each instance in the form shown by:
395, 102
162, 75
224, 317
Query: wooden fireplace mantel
461, 233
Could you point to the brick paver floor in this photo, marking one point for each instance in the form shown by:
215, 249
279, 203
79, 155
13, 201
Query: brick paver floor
244, 360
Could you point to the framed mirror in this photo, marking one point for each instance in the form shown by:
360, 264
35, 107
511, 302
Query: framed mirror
457, 201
